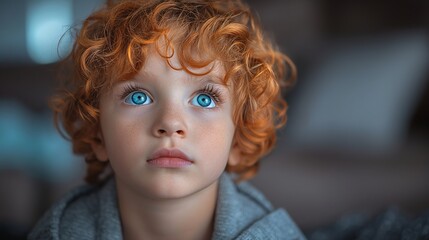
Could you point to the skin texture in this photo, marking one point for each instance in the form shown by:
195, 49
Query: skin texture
158, 202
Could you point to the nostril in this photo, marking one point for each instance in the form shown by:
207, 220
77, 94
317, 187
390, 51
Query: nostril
161, 131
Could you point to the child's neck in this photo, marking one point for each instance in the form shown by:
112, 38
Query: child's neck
191, 217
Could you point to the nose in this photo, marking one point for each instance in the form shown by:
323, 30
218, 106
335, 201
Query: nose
170, 122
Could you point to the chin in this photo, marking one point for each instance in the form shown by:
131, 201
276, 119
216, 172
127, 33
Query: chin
176, 189
168, 187
165, 192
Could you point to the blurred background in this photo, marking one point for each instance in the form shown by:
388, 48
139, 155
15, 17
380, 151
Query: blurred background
357, 137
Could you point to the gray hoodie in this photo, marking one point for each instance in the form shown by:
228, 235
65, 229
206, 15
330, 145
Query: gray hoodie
90, 212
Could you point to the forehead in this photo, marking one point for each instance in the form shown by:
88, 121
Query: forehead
159, 64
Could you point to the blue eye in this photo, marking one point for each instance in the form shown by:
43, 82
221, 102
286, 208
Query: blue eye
203, 100
137, 98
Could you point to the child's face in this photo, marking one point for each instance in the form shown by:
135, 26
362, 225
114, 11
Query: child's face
166, 109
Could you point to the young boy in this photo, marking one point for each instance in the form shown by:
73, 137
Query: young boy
169, 95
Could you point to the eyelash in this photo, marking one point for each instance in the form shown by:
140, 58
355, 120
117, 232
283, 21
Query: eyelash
209, 89
213, 91
129, 88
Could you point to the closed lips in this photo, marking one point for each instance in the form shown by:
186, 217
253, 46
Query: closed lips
169, 158
169, 154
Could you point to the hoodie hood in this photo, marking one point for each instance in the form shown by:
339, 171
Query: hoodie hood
91, 212
244, 213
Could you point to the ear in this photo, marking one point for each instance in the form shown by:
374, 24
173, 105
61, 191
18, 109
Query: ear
99, 148
234, 156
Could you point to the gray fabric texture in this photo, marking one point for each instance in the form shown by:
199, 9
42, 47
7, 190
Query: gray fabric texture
90, 212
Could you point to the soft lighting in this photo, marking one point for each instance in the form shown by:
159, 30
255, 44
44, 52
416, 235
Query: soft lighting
47, 23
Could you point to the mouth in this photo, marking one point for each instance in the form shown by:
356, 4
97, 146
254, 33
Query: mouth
169, 158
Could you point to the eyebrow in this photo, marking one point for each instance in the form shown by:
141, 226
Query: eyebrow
210, 78
213, 79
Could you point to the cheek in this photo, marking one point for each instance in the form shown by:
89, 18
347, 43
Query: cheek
216, 136
122, 134
214, 144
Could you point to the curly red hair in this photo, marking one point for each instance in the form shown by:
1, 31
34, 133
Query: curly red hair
114, 41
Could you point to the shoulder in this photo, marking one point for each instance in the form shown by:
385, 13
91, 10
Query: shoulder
243, 212
47, 227
77, 214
